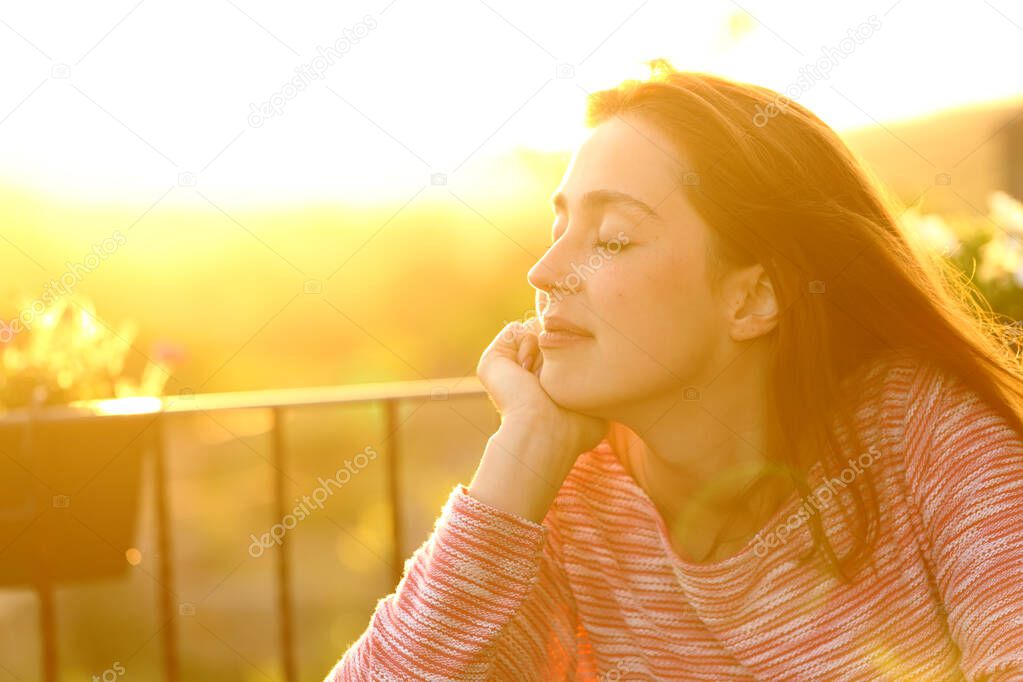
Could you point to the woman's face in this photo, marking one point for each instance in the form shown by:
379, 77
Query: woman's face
644, 297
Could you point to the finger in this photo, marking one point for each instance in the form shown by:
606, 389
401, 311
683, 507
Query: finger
527, 349
507, 340
537, 361
516, 331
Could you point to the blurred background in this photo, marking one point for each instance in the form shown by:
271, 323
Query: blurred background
251, 254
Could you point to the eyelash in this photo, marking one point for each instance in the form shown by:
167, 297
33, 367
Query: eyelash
602, 244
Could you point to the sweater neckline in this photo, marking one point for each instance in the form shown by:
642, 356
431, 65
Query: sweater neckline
746, 556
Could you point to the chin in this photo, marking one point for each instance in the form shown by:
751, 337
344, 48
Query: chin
573, 388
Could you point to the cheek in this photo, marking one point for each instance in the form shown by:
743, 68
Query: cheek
659, 314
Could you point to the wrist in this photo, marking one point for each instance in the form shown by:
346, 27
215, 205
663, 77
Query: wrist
523, 429
521, 471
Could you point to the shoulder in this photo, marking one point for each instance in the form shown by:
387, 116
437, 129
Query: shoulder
946, 428
915, 389
926, 413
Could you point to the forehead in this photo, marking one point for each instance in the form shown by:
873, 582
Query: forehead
624, 155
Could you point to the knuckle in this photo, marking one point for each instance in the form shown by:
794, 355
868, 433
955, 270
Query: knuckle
510, 332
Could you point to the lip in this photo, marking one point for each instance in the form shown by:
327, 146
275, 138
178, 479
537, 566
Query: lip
558, 332
559, 338
555, 323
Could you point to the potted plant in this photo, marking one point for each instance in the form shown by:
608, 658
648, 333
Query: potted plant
69, 473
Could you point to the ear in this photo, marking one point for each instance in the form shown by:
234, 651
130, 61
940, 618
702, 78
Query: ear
752, 305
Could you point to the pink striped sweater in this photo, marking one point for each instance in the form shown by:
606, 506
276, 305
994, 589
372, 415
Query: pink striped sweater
596, 592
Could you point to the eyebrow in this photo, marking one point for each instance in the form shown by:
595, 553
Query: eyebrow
599, 198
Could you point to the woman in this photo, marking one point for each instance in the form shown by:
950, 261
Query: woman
755, 434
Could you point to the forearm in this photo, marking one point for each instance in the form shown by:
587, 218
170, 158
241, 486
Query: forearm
460, 589
522, 469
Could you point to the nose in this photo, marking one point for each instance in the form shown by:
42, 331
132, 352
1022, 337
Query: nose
548, 275
540, 279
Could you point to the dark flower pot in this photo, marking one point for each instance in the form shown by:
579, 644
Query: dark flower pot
69, 497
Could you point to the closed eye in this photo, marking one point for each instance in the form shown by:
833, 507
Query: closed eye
612, 245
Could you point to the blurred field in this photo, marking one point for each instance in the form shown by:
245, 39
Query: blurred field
405, 294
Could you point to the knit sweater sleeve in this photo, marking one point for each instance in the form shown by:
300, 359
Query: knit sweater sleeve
483, 598
964, 465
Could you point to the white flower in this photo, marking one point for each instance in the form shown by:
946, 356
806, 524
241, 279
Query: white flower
1003, 255
930, 231
1007, 212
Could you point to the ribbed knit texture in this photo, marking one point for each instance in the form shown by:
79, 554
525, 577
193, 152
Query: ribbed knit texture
596, 591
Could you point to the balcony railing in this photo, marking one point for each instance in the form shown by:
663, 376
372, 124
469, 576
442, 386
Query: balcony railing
160, 412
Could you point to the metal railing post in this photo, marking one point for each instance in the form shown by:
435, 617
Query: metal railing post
394, 487
165, 567
43, 557
284, 601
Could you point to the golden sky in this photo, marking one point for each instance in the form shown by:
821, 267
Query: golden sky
134, 99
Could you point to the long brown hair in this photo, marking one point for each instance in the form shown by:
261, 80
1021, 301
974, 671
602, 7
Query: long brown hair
777, 186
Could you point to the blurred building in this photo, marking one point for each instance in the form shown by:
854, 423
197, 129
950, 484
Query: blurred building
951, 160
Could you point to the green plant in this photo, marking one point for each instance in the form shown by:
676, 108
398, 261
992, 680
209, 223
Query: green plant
67, 354
987, 249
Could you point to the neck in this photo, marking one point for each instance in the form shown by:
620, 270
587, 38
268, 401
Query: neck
701, 453
697, 456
